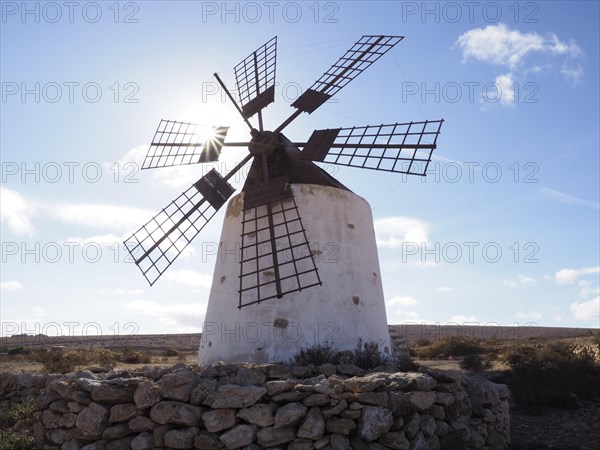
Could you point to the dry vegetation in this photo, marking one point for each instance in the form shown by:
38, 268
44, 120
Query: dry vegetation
547, 376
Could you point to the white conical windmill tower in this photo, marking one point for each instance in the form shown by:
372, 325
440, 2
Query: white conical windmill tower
305, 268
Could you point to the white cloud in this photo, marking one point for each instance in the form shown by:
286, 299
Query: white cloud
535, 315
505, 86
461, 319
189, 277
391, 232
110, 217
589, 310
16, 211
564, 198
445, 289
573, 74
401, 301
128, 291
395, 314
520, 281
499, 45
10, 286
587, 291
179, 317
568, 276
101, 239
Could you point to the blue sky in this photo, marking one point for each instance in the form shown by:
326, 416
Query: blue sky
505, 229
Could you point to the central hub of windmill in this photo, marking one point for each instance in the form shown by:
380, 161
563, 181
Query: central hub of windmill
263, 142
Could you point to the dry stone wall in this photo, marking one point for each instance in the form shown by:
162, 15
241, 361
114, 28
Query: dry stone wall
268, 406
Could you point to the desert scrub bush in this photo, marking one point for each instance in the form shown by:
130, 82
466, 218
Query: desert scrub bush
170, 352
130, 356
475, 362
316, 354
365, 355
59, 362
449, 346
10, 414
550, 375
18, 351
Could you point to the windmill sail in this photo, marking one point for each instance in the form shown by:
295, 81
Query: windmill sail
276, 258
255, 78
399, 147
159, 242
182, 143
361, 55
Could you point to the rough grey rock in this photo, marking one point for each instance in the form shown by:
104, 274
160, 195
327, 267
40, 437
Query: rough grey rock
313, 425
181, 438
120, 444
116, 431
208, 441
333, 410
427, 425
159, 434
350, 370
141, 423
218, 419
289, 414
143, 441
234, 396
91, 421
112, 393
174, 412
239, 436
261, 414
395, 439
277, 387
412, 424
374, 422
339, 442
178, 385
270, 436
250, 377
146, 394
373, 398
341, 426
422, 400
122, 412
366, 383
204, 387
316, 399
419, 442
300, 444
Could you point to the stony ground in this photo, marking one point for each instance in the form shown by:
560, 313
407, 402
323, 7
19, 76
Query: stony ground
554, 429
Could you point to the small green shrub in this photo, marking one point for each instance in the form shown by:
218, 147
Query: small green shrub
15, 440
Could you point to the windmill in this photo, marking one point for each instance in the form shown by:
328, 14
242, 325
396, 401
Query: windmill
297, 261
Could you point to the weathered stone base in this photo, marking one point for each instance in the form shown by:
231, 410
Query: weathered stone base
244, 406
